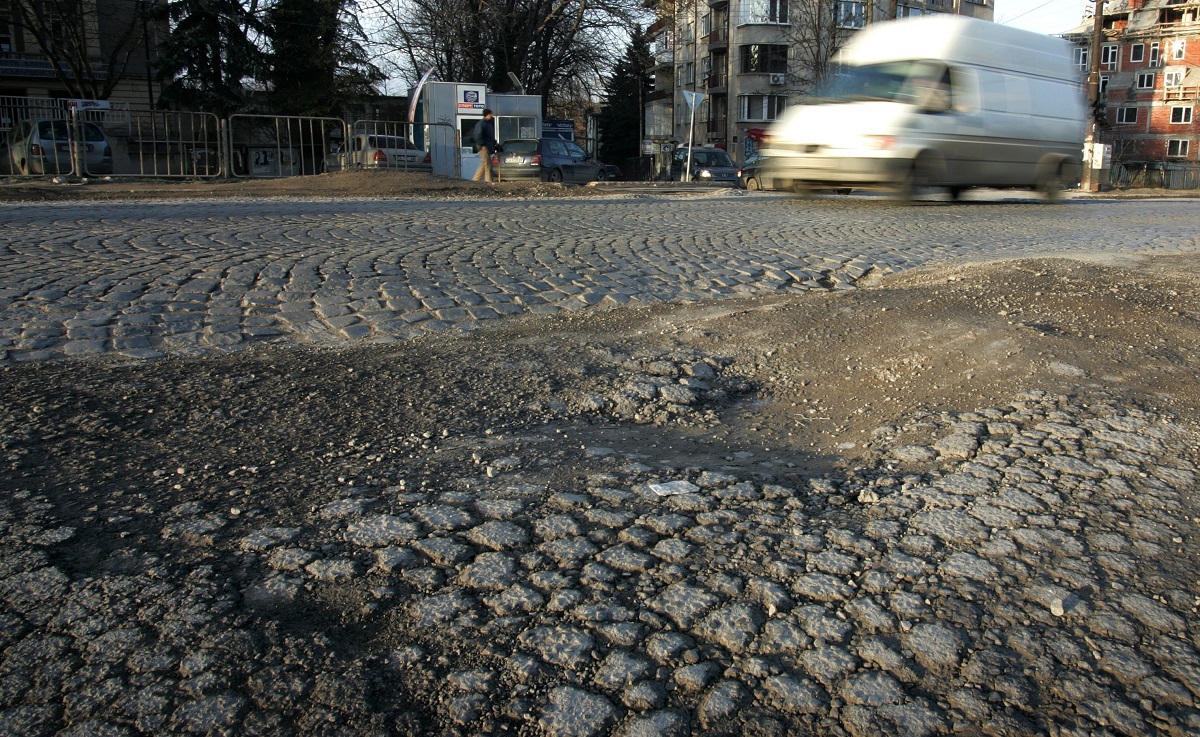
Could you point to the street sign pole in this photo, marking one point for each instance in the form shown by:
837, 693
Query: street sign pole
693, 99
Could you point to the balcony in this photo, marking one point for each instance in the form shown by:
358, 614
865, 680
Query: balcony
1178, 94
36, 66
714, 81
718, 37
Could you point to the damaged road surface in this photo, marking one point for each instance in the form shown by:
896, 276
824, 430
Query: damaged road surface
959, 501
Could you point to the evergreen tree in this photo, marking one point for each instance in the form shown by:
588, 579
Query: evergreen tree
206, 60
619, 125
317, 61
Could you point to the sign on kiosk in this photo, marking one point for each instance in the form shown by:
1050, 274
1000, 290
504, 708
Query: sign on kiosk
471, 99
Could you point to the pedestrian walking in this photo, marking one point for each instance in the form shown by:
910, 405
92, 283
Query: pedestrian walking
485, 144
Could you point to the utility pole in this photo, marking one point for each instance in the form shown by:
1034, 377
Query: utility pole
1091, 173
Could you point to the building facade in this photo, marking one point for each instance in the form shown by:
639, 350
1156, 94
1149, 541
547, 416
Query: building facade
1149, 79
107, 45
747, 58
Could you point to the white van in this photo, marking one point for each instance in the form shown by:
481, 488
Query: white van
943, 101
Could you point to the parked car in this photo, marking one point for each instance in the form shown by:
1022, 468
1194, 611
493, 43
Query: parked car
707, 165
750, 175
548, 160
44, 147
377, 151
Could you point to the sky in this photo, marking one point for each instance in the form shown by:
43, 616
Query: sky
1042, 16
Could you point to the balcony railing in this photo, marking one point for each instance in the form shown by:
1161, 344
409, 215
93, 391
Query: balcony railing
33, 65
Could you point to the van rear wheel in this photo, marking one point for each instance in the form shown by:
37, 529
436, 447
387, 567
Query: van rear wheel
1052, 185
802, 189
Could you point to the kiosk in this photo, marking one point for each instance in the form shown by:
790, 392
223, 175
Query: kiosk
446, 114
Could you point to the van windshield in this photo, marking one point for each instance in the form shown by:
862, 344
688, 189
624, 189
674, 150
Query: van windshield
909, 82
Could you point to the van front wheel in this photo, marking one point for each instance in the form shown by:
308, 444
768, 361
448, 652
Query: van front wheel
915, 180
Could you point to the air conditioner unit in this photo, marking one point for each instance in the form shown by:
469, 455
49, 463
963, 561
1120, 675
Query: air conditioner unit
777, 78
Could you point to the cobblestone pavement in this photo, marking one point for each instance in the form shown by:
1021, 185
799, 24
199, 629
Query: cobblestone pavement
171, 567
146, 279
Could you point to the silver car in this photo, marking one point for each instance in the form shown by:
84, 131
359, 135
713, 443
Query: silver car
44, 147
378, 151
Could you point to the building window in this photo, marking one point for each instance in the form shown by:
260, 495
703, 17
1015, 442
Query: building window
755, 108
1108, 56
1103, 89
1181, 114
1127, 115
849, 14
1137, 52
1177, 148
764, 59
1154, 61
1173, 78
764, 11
1081, 58
1145, 81
6, 38
1178, 49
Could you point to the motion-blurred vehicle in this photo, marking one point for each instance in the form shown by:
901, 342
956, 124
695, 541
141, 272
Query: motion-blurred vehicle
44, 147
710, 165
548, 160
378, 151
938, 101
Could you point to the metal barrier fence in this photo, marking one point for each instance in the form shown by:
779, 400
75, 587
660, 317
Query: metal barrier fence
171, 144
77, 139
280, 145
1155, 174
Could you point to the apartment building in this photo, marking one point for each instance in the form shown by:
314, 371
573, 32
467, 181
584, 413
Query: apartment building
747, 58
1149, 79
103, 47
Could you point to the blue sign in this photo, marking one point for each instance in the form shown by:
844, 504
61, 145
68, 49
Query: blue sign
564, 129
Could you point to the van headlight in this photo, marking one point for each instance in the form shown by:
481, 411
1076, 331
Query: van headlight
705, 174
879, 143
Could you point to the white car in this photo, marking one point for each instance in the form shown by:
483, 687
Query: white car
378, 151
44, 147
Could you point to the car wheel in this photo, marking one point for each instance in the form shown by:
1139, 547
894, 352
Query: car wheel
601, 175
956, 193
753, 184
1051, 185
23, 167
555, 175
915, 180
845, 190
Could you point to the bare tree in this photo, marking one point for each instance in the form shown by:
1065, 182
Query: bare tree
818, 30
559, 49
89, 43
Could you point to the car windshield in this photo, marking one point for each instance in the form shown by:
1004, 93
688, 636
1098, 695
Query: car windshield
893, 81
520, 147
711, 158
